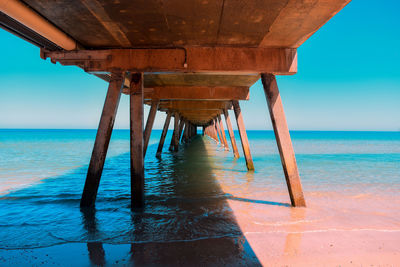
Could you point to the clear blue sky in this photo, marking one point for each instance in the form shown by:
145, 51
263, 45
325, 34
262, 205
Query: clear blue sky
348, 79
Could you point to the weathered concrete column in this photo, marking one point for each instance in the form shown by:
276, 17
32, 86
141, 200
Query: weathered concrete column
149, 125
163, 134
190, 130
214, 132
207, 130
231, 134
217, 134
221, 127
136, 133
283, 140
219, 131
243, 135
176, 132
102, 141
186, 132
172, 144
181, 125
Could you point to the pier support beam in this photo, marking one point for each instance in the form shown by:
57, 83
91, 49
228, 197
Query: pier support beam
136, 134
283, 140
191, 131
222, 130
214, 132
103, 136
149, 125
163, 134
181, 125
243, 135
194, 130
175, 137
231, 134
176, 123
186, 132
209, 131
217, 132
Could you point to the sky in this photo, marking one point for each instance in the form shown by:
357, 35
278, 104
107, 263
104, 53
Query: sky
348, 79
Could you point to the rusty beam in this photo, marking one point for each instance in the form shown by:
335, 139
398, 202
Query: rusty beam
243, 135
174, 139
102, 141
190, 59
185, 137
149, 125
221, 127
231, 134
283, 140
195, 129
193, 104
197, 93
38, 24
218, 134
136, 141
214, 132
181, 125
163, 134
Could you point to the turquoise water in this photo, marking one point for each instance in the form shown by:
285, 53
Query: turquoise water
42, 173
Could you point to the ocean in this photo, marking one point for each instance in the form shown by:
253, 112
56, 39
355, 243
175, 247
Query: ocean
351, 182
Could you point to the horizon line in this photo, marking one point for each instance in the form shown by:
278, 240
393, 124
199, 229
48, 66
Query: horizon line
266, 130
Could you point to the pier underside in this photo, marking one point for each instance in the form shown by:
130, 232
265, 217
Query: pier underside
194, 60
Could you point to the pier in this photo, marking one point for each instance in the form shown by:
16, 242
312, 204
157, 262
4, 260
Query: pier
193, 60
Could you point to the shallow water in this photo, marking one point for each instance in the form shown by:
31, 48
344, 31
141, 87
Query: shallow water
351, 182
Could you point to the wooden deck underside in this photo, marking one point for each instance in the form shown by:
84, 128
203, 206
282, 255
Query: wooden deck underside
171, 23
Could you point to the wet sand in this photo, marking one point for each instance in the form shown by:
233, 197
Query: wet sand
332, 231
217, 217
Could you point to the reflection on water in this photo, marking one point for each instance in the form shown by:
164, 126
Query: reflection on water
96, 253
293, 238
95, 249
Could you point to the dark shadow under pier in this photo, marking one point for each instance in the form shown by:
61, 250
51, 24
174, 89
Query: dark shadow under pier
186, 221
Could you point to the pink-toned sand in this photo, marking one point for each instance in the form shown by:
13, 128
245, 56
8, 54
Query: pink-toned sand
336, 229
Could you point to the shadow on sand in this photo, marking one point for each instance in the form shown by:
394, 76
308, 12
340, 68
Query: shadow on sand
258, 201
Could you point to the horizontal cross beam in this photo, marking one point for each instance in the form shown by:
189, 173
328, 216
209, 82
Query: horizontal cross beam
197, 93
193, 105
200, 112
281, 61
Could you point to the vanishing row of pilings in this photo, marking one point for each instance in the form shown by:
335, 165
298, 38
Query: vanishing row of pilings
215, 130
183, 130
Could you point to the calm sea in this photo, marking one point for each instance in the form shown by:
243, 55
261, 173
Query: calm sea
42, 173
